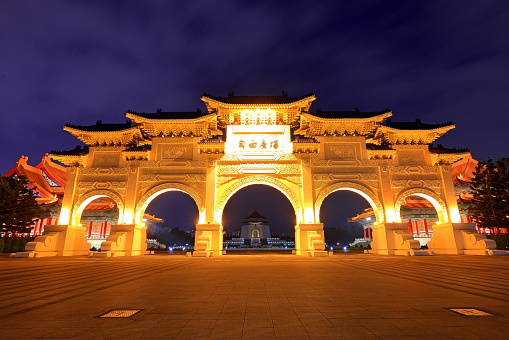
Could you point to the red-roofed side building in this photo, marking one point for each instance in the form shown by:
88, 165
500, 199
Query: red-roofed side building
48, 180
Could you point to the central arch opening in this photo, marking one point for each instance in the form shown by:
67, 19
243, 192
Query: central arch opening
258, 217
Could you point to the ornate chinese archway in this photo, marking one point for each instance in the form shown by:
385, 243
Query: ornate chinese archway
272, 140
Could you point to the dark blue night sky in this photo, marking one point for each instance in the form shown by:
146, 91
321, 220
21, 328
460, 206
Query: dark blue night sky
82, 61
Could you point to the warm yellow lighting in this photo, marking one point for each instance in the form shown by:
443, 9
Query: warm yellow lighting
309, 215
455, 215
390, 216
258, 141
128, 217
201, 218
258, 117
258, 157
258, 171
65, 216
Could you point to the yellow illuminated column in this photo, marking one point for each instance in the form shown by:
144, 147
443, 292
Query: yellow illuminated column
210, 196
307, 195
309, 236
65, 216
130, 198
390, 215
128, 216
385, 232
450, 195
208, 240
68, 199
387, 195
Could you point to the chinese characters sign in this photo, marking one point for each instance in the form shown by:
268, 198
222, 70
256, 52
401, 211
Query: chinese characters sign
274, 144
258, 141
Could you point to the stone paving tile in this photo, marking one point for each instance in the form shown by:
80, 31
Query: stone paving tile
345, 322
231, 331
290, 322
208, 316
259, 315
115, 323
14, 333
322, 331
196, 323
375, 322
171, 323
181, 316
194, 333
231, 316
260, 332
282, 313
336, 315
355, 332
456, 332
383, 331
362, 314
65, 332
290, 331
329, 309
257, 323
94, 333
315, 322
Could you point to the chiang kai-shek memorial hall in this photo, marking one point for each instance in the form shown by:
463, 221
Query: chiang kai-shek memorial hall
271, 140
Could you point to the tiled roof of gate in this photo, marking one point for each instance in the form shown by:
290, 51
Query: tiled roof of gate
440, 149
171, 115
417, 125
347, 114
282, 99
99, 126
77, 151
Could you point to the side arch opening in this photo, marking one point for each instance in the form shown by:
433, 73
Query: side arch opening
363, 191
433, 198
162, 188
97, 211
421, 209
86, 199
171, 220
347, 211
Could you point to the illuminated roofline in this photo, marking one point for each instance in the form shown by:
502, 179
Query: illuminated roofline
442, 129
139, 119
115, 132
306, 100
377, 118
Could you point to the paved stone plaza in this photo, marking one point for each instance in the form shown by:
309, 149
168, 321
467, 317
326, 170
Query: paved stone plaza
255, 296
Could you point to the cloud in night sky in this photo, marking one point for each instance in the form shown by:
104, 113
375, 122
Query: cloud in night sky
81, 61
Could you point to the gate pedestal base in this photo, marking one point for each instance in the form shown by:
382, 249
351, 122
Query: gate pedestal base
309, 239
208, 240
461, 238
58, 240
124, 240
394, 239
